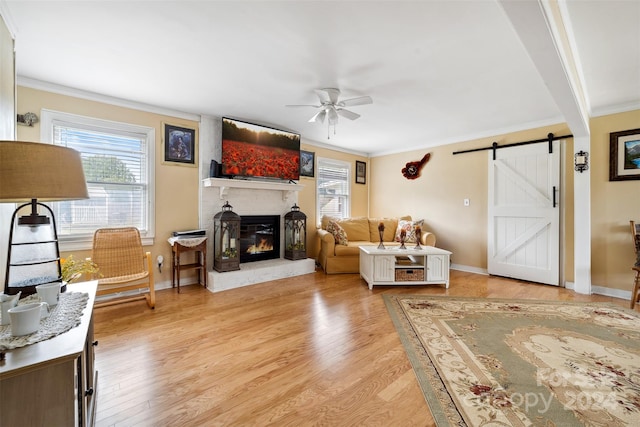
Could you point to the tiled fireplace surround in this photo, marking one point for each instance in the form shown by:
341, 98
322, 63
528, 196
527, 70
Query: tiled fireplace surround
250, 198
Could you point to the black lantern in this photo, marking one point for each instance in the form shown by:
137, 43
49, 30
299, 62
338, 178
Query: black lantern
226, 240
295, 234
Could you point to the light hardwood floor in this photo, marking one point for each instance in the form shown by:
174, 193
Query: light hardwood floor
311, 350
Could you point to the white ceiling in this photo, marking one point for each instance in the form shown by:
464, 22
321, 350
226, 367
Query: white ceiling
438, 71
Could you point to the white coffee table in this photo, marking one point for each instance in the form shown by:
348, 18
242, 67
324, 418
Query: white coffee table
394, 266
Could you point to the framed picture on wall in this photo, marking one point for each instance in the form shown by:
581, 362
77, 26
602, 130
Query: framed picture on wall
361, 172
624, 155
307, 163
179, 145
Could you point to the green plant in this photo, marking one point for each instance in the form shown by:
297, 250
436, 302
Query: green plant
72, 269
230, 253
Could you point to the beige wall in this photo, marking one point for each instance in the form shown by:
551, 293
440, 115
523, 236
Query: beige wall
613, 204
446, 180
438, 194
176, 186
176, 190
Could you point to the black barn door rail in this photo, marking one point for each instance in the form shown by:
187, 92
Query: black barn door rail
550, 138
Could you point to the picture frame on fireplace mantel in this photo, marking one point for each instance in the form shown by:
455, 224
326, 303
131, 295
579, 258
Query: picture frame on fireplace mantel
179, 145
307, 163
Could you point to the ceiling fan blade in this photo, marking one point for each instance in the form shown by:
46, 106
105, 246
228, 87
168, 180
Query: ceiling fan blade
348, 114
318, 117
333, 116
362, 100
328, 95
303, 105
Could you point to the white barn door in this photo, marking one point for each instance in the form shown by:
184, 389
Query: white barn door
524, 215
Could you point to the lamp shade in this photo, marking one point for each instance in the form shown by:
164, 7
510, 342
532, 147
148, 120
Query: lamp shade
47, 172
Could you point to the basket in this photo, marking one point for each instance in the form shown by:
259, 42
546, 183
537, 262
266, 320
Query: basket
409, 275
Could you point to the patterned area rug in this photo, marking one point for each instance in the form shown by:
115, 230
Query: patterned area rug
490, 362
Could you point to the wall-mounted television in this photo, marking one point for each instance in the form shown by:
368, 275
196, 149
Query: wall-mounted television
255, 151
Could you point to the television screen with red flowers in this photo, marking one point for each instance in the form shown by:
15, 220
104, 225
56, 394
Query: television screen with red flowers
255, 151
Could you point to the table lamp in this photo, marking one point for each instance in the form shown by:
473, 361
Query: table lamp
31, 173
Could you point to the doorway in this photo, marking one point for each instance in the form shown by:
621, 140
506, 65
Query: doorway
524, 213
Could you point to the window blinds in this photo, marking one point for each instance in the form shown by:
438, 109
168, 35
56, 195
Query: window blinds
333, 188
115, 167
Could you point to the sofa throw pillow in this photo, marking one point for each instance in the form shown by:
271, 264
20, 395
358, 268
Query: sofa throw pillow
410, 229
338, 233
325, 221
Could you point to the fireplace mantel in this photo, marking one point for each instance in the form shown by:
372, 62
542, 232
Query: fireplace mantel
248, 198
224, 184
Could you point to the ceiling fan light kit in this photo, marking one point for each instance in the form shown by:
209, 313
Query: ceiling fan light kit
331, 107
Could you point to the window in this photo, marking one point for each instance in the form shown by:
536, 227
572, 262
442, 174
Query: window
118, 165
333, 188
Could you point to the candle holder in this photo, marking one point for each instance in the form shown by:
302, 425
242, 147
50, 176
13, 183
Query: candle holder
418, 232
226, 239
295, 234
381, 232
403, 235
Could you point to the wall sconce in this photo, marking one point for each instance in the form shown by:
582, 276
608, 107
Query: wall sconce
581, 161
27, 119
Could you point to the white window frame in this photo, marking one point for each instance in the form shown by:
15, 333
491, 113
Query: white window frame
50, 117
339, 163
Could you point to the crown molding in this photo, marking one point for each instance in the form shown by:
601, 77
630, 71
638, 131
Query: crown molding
92, 96
615, 109
474, 136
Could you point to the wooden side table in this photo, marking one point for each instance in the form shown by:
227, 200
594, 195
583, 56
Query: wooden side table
180, 246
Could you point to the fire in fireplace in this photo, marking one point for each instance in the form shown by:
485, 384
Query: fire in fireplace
259, 237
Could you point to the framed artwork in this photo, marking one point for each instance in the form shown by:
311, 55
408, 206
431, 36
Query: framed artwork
307, 163
361, 172
624, 155
180, 145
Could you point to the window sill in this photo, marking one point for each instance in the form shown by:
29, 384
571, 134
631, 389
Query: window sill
87, 245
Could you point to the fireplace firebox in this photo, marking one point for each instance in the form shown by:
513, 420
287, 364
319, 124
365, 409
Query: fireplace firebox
259, 237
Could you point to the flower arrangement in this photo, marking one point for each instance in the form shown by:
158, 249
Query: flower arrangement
403, 235
72, 269
418, 232
381, 233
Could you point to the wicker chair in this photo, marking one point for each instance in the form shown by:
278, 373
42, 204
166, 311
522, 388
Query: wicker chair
120, 258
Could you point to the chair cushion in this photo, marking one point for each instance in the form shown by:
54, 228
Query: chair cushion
122, 279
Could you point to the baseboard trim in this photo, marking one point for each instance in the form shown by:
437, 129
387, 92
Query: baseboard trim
605, 291
469, 269
598, 290
610, 292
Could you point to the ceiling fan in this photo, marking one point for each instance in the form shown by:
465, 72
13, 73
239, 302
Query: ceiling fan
331, 107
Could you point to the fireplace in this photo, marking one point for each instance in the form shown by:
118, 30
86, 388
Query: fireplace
259, 237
